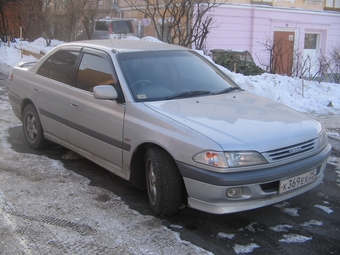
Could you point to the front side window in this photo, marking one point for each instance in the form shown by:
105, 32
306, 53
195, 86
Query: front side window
60, 66
94, 70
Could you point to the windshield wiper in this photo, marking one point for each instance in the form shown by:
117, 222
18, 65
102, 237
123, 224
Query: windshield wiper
185, 94
227, 90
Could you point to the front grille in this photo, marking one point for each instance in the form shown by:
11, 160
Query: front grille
290, 151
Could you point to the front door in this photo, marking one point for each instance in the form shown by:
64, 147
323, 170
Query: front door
283, 53
96, 126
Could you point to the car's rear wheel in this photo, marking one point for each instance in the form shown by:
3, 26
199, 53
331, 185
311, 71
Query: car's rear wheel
32, 128
163, 181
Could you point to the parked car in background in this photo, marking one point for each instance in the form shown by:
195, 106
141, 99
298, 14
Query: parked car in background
168, 120
110, 28
120, 28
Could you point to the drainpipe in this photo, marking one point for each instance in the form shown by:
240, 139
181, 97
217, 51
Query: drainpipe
116, 7
253, 20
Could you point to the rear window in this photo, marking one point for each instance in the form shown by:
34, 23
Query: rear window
121, 27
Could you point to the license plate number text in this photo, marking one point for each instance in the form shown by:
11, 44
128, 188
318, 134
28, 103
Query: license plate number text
297, 181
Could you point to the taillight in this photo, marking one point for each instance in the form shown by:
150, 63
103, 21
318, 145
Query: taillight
11, 77
110, 29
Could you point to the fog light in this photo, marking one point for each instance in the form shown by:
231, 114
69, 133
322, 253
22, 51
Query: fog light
234, 192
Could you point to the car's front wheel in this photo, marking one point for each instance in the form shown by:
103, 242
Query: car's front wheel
163, 181
32, 128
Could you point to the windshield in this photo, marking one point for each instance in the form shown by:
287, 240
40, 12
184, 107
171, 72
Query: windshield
166, 75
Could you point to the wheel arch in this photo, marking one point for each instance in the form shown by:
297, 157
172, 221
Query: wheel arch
137, 167
26, 102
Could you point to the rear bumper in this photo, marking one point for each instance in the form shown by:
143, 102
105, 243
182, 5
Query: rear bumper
16, 103
207, 190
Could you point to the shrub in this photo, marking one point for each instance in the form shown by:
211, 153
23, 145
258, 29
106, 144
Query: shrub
230, 60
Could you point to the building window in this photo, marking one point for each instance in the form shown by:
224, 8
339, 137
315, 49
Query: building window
265, 2
311, 41
332, 4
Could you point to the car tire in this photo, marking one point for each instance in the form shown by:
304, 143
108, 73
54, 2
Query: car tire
163, 181
32, 128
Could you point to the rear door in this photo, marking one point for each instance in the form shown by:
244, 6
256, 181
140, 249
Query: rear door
96, 126
51, 88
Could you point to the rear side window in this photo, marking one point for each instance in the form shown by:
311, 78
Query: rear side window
60, 66
101, 26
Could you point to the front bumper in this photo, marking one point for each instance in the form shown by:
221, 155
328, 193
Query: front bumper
207, 190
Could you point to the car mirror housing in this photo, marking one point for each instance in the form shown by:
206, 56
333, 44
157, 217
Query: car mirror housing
105, 92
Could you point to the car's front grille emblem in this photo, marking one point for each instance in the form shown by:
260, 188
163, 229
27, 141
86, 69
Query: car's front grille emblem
295, 150
290, 151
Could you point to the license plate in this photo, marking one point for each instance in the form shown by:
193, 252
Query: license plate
297, 181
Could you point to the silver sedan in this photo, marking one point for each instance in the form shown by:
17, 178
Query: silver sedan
168, 120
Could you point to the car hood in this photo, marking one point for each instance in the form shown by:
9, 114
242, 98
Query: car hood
241, 120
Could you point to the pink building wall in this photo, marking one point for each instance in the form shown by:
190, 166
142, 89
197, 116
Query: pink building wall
250, 27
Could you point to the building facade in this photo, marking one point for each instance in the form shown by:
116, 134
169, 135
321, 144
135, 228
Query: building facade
288, 37
283, 36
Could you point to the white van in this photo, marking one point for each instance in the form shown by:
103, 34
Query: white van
109, 28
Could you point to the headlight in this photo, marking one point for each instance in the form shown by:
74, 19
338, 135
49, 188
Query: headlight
322, 138
229, 159
246, 158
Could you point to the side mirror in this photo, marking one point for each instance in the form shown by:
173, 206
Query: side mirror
105, 92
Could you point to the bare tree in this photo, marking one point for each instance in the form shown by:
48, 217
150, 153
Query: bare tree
36, 15
10, 18
329, 66
3, 20
75, 11
182, 22
335, 62
281, 58
88, 19
270, 63
56, 19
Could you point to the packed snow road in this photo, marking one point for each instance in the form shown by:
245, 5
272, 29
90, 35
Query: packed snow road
47, 209
53, 202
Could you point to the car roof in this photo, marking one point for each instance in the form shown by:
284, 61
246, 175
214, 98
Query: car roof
121, 45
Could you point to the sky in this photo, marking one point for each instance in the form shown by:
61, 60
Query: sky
306, 96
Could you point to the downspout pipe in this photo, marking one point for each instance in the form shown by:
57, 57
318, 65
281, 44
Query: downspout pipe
116, 7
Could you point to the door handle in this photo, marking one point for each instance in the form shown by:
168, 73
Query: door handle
74, 104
